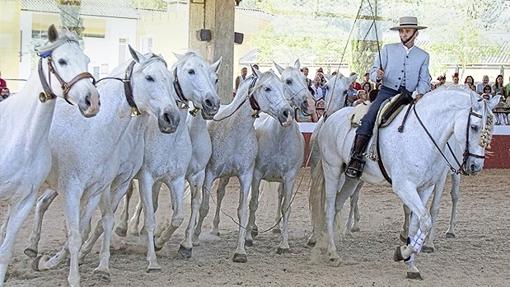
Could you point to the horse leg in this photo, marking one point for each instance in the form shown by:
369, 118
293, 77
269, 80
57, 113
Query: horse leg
254, 204
43, 202
204, 207
72, 213
428, 246
331, 181
455, 193
122, 225
404, 233
278, 216
177, 188
242, 215
134, 221
156, 187
195, 184
420, 224
352, 224
219, 198
18, 213
288, 187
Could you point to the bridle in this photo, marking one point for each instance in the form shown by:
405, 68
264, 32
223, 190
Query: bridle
48, 93
462, 167
128, 89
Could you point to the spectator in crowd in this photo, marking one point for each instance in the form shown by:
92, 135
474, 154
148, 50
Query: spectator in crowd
480, 87
367, 87
4, 91
487, 92
318, 89
366, 80
305, 72
240, 78
361, 97
352, 94
372, 95
507, 89
355, 85
498, 87
319, 110
470, 82
320, 73
455, 78
441, 81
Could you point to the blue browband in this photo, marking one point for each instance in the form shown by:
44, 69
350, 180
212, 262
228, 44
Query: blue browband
45, 54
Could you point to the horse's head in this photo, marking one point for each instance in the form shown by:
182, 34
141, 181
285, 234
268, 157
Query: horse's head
269, 96
150, 81
66, 66
474, 130
198, 82
296, 87
336, 92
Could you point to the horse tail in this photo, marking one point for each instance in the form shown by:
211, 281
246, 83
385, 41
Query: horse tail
317, 197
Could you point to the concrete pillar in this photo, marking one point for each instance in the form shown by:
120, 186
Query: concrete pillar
217, 16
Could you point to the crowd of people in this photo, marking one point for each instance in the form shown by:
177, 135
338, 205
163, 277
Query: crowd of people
365, 91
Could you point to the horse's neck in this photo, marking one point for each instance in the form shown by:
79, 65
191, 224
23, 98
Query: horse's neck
336, 104
29, 119
243, 118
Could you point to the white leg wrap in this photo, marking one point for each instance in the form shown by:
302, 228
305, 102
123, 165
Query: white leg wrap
417, 241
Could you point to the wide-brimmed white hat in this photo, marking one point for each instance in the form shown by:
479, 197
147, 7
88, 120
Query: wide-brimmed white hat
408, 22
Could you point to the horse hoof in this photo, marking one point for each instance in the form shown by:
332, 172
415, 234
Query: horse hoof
355, 229
450, 235
282, 250
248, 242
277, 230
402, 238
428, 249
240, 258
30, 252
103, 275
154, 267
35, 263
414, 275
185, 252
121, 231
397, 256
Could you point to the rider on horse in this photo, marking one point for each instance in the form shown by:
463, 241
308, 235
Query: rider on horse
402, 68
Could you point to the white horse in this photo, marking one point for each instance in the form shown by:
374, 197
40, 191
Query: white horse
25, 154
167, 156
234, 143
279, 157
99, 157
460, 113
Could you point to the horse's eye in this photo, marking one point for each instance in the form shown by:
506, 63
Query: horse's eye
267, 89
216, 81
62, 62
289, 82
149, 78
191, 72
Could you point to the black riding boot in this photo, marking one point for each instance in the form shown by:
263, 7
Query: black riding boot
357, 163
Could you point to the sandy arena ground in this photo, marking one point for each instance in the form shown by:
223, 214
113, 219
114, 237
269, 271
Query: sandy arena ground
479, 256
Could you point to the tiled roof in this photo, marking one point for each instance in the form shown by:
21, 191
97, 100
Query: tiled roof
99, 8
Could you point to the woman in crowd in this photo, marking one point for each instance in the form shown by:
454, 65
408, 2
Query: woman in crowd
470, 82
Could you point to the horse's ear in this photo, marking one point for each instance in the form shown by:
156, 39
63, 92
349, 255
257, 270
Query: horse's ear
256, 71
52, 33
278, 67
135, 54
353, 78
494, 101
297, 64
216, 65
178, 56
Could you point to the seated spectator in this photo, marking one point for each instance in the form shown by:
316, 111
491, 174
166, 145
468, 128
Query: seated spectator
367, 87
318, 90
470, 82
455, 78
487, 92
319, 110
352, 93
507, 89
362, 97
366, 80
498, 87
480, 87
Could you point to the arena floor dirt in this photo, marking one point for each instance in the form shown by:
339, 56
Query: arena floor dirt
479, 256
